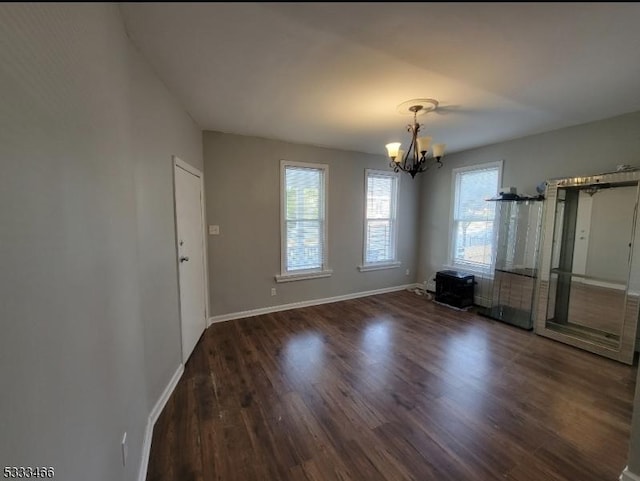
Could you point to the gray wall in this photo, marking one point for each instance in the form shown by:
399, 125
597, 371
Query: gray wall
242, 178
582, 150
159, 128
88, 296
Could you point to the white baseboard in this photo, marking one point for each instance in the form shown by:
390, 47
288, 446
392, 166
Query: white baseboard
151, 421
312, 302
628, 475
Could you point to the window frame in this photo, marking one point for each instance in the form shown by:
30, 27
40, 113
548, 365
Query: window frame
390, 263
301, 274
488, 270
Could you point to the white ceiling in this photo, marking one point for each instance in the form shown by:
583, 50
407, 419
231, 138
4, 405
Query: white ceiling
332, 74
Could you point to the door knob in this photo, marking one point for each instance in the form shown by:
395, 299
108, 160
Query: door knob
184, 259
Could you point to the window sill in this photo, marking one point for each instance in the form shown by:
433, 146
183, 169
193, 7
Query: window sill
469, 270
303, 276
378, 267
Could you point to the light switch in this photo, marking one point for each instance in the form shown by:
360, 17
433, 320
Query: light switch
214, 230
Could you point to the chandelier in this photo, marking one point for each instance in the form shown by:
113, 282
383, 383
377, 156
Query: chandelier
416, 159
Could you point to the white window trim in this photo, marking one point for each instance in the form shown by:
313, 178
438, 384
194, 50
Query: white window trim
472, 269
300, 275
378, 266
388, 264
303, 276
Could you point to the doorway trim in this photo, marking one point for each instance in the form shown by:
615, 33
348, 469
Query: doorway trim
178, 162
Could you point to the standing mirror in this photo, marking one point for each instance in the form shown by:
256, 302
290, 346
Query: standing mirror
587, 292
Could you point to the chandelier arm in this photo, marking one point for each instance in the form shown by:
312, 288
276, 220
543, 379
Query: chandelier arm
413, 147
426, 163
410, 149
423, 167
398, 166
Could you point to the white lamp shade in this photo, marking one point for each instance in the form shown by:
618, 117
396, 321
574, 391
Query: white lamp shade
438, 149
392, 149
423, 144
398, 159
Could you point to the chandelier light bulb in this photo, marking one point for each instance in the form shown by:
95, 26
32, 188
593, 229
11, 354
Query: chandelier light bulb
423, 144
392, 149
438, 150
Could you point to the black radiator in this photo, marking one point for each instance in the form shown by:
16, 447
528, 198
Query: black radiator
455, 288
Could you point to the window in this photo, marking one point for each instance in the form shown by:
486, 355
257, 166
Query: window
380, 226
472, 232
304, 227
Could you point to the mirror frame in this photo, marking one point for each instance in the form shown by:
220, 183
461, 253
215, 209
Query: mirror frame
626, 346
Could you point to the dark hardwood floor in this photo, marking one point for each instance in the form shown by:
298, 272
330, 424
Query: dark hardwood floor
391, 387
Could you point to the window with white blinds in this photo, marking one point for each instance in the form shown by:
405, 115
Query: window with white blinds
473, 232
304, 229
380, 226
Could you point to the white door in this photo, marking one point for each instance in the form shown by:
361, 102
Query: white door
191, 259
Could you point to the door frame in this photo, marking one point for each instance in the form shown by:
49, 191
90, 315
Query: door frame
177, 162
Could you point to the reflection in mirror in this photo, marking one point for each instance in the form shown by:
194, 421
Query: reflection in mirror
557, 231
590, 261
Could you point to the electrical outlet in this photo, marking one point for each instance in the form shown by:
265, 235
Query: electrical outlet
273, 291
125, 449
214, 230
407, 272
